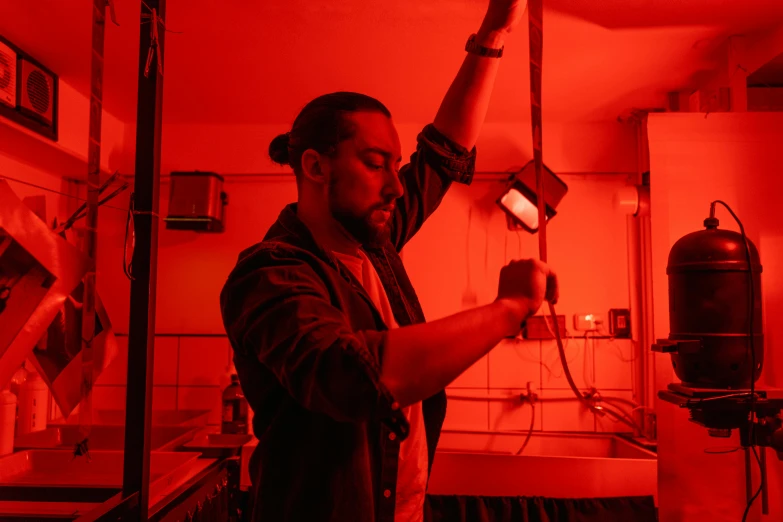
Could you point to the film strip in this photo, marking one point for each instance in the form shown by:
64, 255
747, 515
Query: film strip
91, 236
536, 37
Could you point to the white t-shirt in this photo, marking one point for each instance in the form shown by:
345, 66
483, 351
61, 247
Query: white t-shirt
412, 467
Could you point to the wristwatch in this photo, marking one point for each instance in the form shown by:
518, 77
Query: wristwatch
472, 47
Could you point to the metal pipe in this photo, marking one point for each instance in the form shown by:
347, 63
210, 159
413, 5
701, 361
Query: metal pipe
634, 294
619, 417
141, 327
622, 416
518, 398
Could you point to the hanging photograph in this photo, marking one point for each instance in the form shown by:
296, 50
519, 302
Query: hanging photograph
38, 270
58, 354
24, 282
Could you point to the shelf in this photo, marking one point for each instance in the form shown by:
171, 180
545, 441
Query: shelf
32, 149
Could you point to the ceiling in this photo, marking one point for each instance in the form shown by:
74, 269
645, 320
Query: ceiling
243, 62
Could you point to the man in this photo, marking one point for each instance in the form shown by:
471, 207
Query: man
345, 378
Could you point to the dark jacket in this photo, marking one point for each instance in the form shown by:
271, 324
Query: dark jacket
307, 344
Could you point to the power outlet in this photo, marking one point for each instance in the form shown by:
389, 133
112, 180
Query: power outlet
620, 323
586, 322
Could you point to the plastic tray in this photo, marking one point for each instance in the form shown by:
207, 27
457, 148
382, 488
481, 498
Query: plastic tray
162, 438
52, 474
158, 418
214, 445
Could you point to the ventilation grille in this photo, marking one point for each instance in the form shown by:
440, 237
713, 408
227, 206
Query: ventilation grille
7, 75
39, 91
28, 91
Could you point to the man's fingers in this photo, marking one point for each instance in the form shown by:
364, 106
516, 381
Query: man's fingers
542, 266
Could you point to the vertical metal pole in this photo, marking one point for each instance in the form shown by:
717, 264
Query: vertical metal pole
141, 329
635, 272
748, 477
764, 490
638, 347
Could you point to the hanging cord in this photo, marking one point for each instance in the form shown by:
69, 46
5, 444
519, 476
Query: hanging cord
751, 334
530, 430
127, 266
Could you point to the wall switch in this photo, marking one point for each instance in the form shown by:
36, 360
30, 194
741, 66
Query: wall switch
586, 322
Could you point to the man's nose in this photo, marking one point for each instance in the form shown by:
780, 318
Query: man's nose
394, 185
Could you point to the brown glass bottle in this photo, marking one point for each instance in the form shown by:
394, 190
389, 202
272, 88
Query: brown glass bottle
234, 408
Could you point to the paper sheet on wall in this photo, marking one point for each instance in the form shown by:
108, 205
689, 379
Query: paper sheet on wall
38, 270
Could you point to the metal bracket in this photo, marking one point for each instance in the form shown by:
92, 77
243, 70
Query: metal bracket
678, 346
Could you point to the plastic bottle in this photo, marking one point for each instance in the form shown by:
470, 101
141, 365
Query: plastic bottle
33, 404
234, 408
17, 379
7, 418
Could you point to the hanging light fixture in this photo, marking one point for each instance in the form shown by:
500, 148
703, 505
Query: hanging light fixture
520, 202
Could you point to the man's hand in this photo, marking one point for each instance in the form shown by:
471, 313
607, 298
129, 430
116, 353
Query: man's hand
526, 284
503, 15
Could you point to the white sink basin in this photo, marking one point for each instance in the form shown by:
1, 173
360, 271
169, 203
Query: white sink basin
553, 465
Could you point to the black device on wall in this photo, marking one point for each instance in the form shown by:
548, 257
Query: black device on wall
196, 202
28, 91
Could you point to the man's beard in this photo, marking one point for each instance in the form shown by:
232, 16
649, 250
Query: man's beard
361, 227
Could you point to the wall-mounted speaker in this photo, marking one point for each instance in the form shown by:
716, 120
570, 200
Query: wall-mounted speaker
28, 91
7, 75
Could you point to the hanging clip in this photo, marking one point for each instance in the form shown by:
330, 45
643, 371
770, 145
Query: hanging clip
81, 449
112, 13
154, 42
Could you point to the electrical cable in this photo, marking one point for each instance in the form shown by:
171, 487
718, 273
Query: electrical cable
127, 267
530, 430
82, 213
751, 334
758, 491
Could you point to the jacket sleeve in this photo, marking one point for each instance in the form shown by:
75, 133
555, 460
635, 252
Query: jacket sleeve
275, 306
436, 163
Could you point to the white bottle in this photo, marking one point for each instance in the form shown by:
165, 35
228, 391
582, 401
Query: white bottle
33, 403
7, 421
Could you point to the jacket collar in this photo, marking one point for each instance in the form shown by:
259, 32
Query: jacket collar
290, 229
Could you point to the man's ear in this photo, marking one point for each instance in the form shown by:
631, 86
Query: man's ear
313, 166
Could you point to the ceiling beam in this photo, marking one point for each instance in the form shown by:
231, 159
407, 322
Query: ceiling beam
741, 56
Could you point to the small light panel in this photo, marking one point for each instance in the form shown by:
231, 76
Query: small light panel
521, 207
520, 201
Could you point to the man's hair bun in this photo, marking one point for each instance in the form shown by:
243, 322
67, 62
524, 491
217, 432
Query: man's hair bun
278, 149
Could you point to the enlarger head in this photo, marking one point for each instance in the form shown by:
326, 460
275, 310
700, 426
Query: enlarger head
709, 310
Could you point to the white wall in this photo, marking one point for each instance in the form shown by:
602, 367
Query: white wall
735, 157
